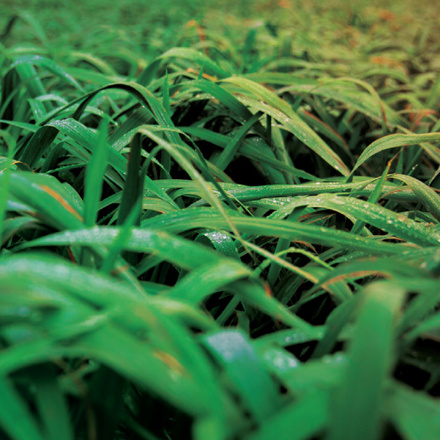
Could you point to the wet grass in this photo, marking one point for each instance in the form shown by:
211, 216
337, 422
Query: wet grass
219, 222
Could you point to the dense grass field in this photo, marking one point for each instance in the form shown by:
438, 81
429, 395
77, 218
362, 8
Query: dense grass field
219, 220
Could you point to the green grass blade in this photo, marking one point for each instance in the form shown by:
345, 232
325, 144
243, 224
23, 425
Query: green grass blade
370, 362
95, 176
394, 141
414, 414
282, 112
13, 409
51, 404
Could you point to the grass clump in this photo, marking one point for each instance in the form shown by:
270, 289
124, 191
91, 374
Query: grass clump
219, 226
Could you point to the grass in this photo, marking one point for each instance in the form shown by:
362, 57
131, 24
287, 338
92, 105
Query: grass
219, 225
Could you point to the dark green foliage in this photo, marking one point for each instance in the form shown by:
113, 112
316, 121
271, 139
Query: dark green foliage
219, 221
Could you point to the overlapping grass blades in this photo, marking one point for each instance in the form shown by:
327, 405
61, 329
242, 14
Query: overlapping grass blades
229, 231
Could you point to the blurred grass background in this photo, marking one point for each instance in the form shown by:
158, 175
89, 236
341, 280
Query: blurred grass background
154, 26
357, 31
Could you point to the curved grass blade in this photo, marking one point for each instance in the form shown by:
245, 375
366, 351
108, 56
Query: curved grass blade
414, 414
383, 218
232, 147
13, 409
301, 420
394, 141
203, 217
46, 196
282, 112
176, 250
198, 57
244, 369
208, 279
220, 241
37, 145
49, 65
426, 195
370, 359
